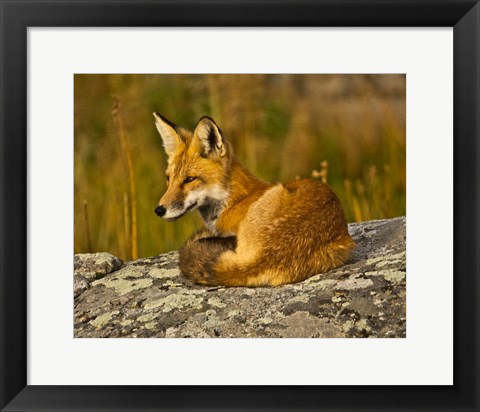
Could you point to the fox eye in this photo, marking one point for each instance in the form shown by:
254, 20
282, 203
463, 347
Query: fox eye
168, 178
189, 179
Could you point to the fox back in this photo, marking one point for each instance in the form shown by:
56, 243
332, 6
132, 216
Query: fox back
255, 233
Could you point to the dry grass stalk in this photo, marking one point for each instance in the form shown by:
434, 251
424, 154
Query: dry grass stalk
126, 224
117, 119
323, 173
87, 226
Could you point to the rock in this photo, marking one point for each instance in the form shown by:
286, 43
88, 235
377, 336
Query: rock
95, 265
149, 297
80, 285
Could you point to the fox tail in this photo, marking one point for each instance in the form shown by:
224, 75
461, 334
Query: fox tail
214, 261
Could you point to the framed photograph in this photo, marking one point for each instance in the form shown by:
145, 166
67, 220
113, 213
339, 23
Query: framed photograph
238, 175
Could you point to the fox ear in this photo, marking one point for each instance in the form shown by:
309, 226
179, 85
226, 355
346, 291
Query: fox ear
171, 139
208, 138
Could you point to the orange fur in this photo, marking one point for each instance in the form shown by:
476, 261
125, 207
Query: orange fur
256, 234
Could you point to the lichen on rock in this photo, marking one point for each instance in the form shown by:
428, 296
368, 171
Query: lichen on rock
149, 297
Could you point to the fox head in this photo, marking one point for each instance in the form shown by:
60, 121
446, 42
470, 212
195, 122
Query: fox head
197, 167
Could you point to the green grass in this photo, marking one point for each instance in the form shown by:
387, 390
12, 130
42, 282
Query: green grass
281, 127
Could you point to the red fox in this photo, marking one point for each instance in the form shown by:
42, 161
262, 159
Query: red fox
255, 233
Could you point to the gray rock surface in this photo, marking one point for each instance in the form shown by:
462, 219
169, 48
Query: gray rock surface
149, 298
95, 265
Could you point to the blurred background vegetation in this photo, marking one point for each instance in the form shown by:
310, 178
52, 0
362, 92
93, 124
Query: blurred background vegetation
348, 130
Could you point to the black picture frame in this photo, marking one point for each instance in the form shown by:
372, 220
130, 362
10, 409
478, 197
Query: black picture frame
18, 15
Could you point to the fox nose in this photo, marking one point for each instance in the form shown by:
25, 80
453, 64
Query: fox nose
160, 210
